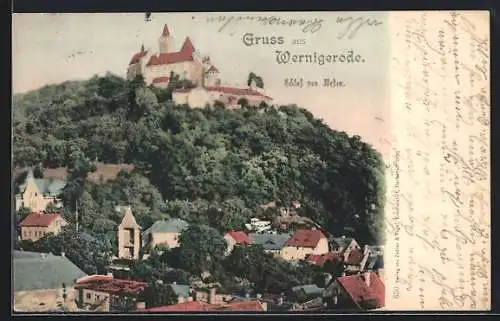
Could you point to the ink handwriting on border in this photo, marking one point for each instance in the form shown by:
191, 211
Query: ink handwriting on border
311, 25
353, 25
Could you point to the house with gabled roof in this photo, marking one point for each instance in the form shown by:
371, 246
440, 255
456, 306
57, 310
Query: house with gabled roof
165, 232
344, 245
303, 243
364, 291
37, 225
104, 293
37, 193
236, 237
272, 243
44, 282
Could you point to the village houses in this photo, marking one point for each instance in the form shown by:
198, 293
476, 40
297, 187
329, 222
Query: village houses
37, 225
164, 232
104, 293
272, 243
363, 291
304, 242
236, 237
44, 282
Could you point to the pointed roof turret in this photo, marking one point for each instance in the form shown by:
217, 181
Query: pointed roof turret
187, 46
129, 219
165, 32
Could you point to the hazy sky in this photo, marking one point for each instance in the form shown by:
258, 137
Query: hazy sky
52, 48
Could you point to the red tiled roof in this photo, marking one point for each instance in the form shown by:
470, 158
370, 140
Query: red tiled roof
360, 292
39, 219
355, 257
240, 237
238, 306
187, 46
236, 91
185, 54
305, 238
184, 306
165, 31
94, 277
201, 306
112, 285
160, 80
228, 91
322, 259
137, 57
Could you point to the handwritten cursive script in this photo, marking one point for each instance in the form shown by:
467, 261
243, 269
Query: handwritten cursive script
439, 187
351, 26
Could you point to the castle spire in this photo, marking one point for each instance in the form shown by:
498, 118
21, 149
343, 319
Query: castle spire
165, 32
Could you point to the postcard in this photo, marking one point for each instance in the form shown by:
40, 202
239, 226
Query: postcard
251, 161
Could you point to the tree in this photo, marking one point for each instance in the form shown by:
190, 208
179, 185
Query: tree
38, 171
158, 294
201, 248
78, 169
257, 80
90, 254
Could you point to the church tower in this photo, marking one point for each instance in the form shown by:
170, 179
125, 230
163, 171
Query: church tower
165, 42
129, 236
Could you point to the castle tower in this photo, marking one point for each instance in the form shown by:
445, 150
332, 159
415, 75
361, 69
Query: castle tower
165, 42
129, 236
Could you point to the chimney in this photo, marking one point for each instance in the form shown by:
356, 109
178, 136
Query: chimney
367, 279
211, 298
140, 306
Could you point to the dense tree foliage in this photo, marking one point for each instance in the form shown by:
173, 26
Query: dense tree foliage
91, 254
212, 165
268, 273
201, 248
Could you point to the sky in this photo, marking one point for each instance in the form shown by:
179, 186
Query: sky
52, 48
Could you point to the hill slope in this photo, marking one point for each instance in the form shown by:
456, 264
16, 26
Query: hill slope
246, 157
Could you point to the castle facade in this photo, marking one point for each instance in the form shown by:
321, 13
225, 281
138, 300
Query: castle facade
156, 69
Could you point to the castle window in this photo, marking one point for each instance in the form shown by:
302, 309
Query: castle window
88, 296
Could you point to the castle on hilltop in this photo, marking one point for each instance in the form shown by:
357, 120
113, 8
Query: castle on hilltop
188, 64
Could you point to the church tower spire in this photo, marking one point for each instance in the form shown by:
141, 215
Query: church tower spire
165, 42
